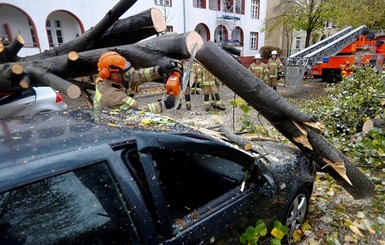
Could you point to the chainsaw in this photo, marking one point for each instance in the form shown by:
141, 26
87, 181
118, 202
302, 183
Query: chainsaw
174, 85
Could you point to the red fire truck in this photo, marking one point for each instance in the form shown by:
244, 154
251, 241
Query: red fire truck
367, 48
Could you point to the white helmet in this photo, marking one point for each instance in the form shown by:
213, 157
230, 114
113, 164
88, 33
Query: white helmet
257, 56
274, 52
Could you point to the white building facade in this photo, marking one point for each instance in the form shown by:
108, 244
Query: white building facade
45, 24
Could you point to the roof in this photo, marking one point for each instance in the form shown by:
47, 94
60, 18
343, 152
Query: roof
28, 138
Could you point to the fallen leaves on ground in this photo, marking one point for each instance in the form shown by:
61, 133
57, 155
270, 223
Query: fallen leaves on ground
337, 218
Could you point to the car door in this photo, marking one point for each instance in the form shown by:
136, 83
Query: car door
82, 206
203, 191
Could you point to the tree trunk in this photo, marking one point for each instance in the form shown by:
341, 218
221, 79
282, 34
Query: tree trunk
302, 130
152, 52
178, 46
10, 77
232, 50
133, 29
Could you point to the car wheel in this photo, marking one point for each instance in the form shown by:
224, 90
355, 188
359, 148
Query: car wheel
298, 209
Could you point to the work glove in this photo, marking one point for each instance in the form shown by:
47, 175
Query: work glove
279, 75
169, 102
166, 69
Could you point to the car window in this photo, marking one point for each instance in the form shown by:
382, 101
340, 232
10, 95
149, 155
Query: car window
189, 180
79, 207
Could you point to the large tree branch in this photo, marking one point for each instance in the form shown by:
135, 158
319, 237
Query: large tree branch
287, 120
152, 52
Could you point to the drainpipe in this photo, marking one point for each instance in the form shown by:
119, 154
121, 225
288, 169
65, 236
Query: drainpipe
184, 16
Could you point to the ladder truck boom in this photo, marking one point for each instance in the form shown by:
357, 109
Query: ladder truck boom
296, 64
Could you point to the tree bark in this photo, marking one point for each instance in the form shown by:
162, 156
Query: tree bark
10, 75
152, 52
132, 29
87, 39
54, 81
9, 53
14, 47
178, 46
241, 141
3, 56
232, 49
300, 129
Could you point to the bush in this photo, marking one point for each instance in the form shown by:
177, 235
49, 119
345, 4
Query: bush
350, 103
265, 51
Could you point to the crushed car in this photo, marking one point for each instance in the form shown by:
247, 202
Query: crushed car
87, 176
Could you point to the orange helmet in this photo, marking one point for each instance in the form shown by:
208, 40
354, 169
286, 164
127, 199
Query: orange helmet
111, 62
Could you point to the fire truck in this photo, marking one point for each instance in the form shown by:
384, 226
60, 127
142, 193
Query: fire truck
368, 48
333, 57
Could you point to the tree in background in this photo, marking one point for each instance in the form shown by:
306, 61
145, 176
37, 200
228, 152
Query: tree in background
306, 15
358, 12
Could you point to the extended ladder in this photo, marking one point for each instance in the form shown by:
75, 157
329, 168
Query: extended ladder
296, 64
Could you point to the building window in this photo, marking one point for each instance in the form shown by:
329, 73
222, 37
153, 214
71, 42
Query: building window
298, 43
214, 5
255, 9
239, 6
229, 6
237, 36
199, 4
166, 3
221, 34
54, 33
32, 33
253, 40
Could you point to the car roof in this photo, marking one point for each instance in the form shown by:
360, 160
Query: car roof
27, 138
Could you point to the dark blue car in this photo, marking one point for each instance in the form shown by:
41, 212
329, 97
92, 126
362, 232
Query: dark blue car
98, 177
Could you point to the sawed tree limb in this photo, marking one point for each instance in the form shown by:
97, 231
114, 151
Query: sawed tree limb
299, 128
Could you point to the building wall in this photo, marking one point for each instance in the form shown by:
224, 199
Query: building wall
272, 38
182, 16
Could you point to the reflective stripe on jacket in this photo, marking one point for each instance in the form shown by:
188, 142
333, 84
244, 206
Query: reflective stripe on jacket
274, 67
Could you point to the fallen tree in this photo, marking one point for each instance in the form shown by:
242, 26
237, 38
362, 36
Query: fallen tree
55, 71
302, 130
58, 67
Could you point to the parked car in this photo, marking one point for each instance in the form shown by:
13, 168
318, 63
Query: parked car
97, 177
31, 101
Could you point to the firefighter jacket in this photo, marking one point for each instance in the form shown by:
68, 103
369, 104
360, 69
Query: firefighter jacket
116, 96
259, 70
274, 66
204, 77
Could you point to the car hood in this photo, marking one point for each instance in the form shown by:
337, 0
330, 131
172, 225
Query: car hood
26, 138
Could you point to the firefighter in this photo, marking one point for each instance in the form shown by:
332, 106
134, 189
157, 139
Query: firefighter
258, 68
117, 77
209, 86
274, 66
